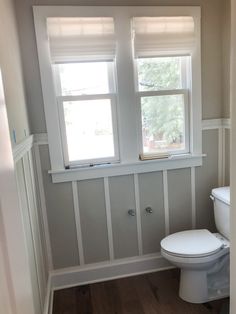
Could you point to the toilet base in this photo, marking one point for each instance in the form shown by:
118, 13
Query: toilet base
200, 286
193, 286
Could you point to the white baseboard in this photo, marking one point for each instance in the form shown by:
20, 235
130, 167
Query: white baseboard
104, 271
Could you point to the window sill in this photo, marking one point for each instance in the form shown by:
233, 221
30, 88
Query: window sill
109, 170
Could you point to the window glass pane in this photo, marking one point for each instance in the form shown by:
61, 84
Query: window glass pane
83, 78
89, 129
163, 126
161, 73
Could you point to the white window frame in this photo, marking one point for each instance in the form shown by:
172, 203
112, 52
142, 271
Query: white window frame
127, 110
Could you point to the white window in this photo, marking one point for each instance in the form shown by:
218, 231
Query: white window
162, 48
82, 53
121, 85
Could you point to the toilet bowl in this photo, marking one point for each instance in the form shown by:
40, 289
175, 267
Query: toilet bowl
202, 256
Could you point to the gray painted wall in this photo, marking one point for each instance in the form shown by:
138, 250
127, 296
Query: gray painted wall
179, 184
124, 226
206, 179
61, 218
93, 220
152, 194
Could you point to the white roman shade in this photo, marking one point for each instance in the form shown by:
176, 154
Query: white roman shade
154, 36
81, 39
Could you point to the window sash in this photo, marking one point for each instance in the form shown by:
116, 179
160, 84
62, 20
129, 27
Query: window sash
186, 83
156, 154
111, 96
93, 161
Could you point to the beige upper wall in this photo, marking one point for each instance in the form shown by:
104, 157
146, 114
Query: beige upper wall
226, 57
10, 64
212, 70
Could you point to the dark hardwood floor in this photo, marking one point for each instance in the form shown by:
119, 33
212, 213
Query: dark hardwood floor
155, 293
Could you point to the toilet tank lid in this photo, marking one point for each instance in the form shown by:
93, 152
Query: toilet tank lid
222, 194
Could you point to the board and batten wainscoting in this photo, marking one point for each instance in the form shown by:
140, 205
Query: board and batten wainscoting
80, 231
34, 227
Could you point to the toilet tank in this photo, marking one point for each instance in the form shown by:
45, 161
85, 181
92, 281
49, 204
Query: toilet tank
221, 198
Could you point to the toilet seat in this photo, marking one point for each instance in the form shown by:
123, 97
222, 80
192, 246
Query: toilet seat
191, 243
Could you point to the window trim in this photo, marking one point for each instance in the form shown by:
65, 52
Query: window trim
127, 109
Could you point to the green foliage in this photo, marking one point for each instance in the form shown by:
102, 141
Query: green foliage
159, 73
163, 116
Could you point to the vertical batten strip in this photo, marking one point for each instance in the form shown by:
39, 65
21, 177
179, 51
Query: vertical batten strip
43, 206
42, 243
32, 230
109, 220
223, 155
193, 197
138, 214
78, 222
220, 156
166, 202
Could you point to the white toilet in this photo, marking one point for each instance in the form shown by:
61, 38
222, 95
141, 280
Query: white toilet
202, 256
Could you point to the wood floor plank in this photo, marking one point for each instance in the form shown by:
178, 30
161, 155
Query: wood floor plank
147, 296
130, 301
105, 298
83, 300
155, 293
64, 301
